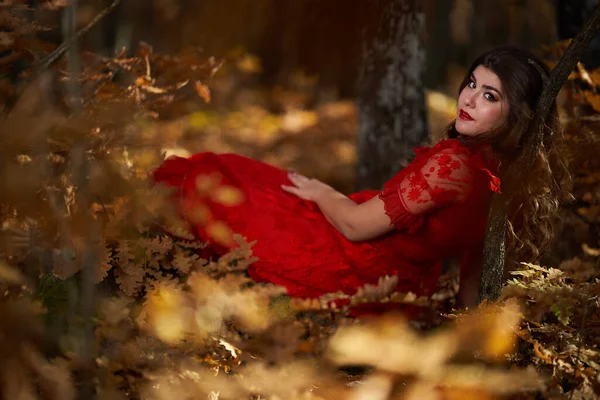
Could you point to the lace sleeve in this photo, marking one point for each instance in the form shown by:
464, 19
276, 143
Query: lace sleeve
443, 179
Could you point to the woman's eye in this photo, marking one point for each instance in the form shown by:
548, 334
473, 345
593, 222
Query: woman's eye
471, 84
490, 97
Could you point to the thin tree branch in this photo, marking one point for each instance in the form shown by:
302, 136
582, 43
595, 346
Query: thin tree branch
495, 241
74, 63
568, 62
62, 49
56, 54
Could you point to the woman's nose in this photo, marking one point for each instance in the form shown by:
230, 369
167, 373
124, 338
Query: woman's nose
469, 101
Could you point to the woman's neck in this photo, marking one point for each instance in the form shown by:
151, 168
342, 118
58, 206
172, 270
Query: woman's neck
473, 142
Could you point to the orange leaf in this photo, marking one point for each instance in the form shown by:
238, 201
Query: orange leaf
590, 251
142, 81
465, 394
539, 352
203, 91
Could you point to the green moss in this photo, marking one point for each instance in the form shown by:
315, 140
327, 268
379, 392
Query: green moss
58, 297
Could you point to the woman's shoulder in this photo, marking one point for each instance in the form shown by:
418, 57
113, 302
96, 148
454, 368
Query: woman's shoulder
445, 151
442, 146
474, 157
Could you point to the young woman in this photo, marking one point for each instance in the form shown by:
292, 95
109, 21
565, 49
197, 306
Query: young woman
314, 240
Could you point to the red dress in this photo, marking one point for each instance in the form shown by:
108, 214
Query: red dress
438, 204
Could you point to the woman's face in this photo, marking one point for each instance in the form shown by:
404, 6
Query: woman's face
482, 105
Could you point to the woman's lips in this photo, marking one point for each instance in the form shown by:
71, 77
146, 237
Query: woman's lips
462, 114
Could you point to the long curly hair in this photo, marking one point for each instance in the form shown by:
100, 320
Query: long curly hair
535, 193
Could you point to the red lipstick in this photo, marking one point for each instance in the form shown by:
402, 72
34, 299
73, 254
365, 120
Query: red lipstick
462, 114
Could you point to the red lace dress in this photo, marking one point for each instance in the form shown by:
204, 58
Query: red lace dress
438, 204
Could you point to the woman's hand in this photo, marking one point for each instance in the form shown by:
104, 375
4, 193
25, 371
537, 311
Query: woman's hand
356, 222
306, 188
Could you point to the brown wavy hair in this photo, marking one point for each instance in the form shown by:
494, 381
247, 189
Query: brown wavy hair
535, 193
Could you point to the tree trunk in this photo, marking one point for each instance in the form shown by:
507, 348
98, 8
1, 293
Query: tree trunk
495, 240
439, 43
391, 95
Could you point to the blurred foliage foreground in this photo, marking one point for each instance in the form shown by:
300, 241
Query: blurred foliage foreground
104, 291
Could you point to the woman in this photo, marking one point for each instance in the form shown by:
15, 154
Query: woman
314, 240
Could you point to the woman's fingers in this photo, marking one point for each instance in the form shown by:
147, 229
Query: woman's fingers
293, 190
300, 186
297, 179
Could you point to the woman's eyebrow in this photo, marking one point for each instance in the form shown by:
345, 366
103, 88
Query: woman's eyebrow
488, 87
491, 88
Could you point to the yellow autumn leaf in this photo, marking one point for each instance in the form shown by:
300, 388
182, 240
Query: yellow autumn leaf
228, 195
146, 159
501, 338
199, 214
220, 233
206, 183
175, 151
10, 274
198, 119
298, 120
166, 317
168, 326
154, 89
590, 251
344, 151
249, 63
208, 319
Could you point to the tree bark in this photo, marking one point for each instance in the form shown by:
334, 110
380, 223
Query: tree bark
439, 44
495, 241
391, 94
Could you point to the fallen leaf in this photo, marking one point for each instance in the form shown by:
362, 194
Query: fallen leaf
203, 91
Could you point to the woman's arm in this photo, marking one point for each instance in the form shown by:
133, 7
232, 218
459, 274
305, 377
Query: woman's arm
357, 222
445, 178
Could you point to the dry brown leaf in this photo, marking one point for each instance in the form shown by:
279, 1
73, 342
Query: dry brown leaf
374, 293
377, 386
182, 261
10, 274
104, 265
391, 345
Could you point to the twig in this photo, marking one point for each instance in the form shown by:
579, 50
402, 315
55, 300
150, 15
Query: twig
47, 61
567, 63
495, 240
62, 49
74, 64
